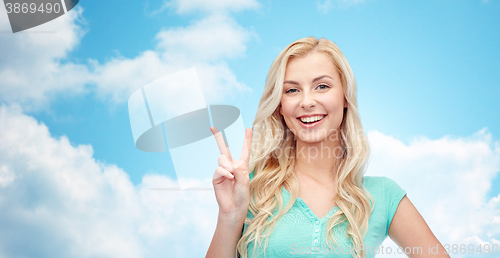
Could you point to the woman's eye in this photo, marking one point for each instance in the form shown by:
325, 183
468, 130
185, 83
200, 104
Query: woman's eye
323, 86
291, 90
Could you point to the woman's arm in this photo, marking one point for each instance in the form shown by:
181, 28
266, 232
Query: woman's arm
231, 184
409, 229
226, 237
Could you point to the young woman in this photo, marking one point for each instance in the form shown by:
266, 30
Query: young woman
306, 194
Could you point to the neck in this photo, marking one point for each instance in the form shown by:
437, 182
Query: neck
318, 160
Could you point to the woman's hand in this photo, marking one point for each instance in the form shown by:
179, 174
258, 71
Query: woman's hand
231, 179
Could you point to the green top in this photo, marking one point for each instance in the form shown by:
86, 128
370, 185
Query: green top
300, 233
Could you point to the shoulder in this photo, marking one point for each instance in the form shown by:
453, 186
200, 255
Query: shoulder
379, 183
384, 190
387, 195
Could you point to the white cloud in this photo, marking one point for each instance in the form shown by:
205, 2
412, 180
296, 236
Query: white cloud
34, 69
205, 45
210, 6
177, 223
61, 196
32, 63
324, 7
448, 180
327, 5
211, 39
56, 200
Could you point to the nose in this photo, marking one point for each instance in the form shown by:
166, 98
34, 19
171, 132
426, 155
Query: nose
308, 100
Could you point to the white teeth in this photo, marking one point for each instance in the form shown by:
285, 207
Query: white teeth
311, 119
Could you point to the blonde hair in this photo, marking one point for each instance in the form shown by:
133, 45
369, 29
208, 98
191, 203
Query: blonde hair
273, 170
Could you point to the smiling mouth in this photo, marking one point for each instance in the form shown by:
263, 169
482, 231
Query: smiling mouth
311, 119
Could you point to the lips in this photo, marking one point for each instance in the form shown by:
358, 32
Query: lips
309, 121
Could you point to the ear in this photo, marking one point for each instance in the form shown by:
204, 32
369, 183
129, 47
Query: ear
279, 108
345, 103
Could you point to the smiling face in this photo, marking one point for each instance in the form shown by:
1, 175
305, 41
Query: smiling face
313, 101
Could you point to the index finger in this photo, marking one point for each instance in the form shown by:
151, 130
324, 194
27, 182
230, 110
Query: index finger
224, 150
247, 146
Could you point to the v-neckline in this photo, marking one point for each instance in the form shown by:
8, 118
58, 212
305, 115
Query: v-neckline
302, 205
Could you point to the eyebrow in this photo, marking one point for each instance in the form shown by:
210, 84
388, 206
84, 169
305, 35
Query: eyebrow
315, 79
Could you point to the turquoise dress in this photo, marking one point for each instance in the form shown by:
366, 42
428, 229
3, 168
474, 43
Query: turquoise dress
300, 233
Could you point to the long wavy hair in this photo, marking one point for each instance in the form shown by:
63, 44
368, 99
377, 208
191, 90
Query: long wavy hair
273, 156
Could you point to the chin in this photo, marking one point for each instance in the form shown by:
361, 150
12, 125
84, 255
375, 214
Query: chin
311, 137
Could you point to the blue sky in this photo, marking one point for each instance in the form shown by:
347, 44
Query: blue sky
426, 72
422, 68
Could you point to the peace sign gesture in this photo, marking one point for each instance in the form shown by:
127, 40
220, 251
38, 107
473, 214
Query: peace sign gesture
231, 180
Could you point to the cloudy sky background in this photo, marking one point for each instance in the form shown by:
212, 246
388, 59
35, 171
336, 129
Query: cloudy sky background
72, 183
